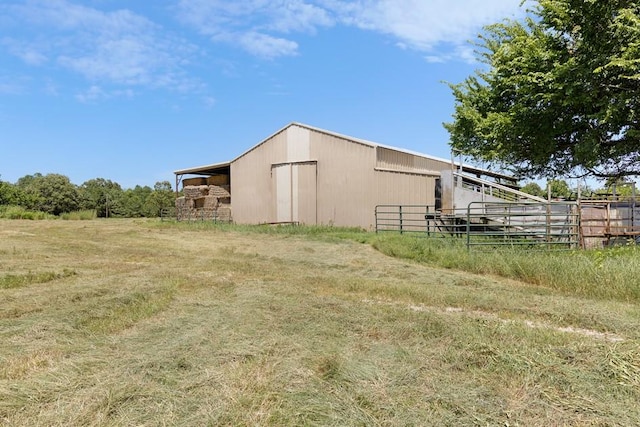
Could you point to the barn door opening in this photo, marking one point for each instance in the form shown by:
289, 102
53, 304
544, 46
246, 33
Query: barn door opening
295, 192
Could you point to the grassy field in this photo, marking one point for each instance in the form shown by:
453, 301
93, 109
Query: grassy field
138, 322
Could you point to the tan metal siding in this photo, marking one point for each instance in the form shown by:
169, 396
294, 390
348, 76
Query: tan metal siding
294, 189
387, 158
298, 144
281, 176
304, 197
345, 180
397, 188
342, 189
251, 189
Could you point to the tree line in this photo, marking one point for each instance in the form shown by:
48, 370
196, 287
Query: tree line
55, 194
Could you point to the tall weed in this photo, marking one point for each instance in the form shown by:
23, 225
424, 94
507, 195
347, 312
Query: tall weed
18, 212
610, 273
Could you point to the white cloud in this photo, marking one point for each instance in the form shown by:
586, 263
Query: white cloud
117, 47
267, 46
435, 59
92, 94
30, 53
11, 86
423, 24
257, 26
298, 16
97, 93
260, 26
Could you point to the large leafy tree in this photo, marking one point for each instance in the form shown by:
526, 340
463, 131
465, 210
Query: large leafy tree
51, 193
161, 197
133, 203
99, 194
10, 194
560, 93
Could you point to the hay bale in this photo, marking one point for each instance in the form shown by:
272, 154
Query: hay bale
224, 213
210, 202
193, 182
195, 192
184, 203
218, 180
220, 191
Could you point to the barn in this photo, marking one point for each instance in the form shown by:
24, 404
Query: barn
302, 174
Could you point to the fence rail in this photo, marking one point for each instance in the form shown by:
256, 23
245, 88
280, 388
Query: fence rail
553, 225
408, 219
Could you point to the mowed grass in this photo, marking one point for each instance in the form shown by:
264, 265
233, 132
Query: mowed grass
135, 322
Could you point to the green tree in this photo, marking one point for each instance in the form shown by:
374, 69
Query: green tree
617, 187
133, 203
51, 193
560, 93
559, 189
100, 194
534, 189
161, 197
10, 194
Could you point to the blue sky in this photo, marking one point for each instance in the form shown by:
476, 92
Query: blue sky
133, 90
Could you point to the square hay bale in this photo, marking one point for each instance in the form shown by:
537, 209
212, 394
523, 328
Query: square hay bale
195, 192
224, 213
220, 191
191, 182
210, 202
218, 180
184, 203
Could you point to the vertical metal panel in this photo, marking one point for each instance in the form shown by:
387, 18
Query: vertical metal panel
251, 181
294, 189
304, 197
345, 180
298, 144
281, 176
404, 188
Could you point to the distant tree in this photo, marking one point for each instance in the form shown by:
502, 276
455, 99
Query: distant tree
560, 93
51, 193
99, 194
10, 194
559, 189
161, 197
133, 203
26, 180
534, 189
618, 187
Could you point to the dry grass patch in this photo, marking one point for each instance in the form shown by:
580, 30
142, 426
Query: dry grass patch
24, 279
170, 325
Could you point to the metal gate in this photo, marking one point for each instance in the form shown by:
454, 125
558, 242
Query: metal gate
553, 225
